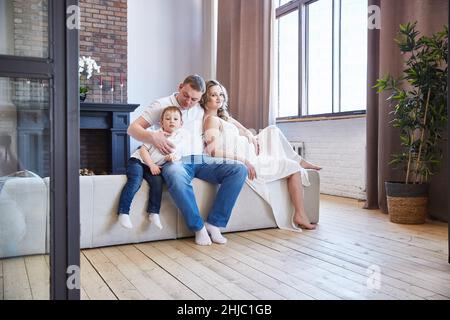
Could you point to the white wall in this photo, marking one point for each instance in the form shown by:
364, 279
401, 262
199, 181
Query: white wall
167, 40
339, 146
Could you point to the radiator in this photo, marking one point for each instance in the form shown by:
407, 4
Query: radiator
298, 147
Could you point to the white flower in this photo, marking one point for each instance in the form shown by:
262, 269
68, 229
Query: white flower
87, 66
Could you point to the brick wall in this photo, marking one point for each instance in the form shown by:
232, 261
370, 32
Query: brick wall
339, 146
30, 28
103, 36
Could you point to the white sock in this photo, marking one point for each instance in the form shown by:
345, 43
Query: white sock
216, 236
125, 221
154, 218
202, 238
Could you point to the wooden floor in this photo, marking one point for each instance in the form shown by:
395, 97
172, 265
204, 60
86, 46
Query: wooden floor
354, 254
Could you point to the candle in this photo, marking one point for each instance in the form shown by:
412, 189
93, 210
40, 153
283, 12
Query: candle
121, 80
112, 83
101, 80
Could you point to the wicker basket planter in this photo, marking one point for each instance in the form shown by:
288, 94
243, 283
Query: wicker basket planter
407, 203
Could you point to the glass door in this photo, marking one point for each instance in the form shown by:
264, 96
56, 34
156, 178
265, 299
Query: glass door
39, 218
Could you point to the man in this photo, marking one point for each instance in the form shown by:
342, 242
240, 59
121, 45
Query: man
178, 175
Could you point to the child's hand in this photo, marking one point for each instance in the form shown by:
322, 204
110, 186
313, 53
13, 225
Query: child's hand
155, 170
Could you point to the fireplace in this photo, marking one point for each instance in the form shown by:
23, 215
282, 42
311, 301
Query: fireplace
104, 142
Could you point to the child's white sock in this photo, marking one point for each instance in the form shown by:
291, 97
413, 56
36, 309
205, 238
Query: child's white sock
154, 218
202, 238
125, 221
216, 236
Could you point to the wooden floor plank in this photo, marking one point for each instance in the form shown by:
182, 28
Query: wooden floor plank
359, 276
344, 261
259, 262
215, 279
250, 272
363, 252
357, 234
395, 271
401, 236
16, 283
93, 284
299, 269
166, 281
256, 289
122, 288
182, 273
145, 285
38, 276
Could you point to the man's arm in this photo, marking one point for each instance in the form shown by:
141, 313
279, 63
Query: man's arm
138, 130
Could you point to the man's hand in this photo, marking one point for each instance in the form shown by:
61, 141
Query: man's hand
159, 140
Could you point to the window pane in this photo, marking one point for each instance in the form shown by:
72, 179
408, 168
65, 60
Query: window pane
354, 55
24, 188
283, 2
288, 65
320, 57
24, 28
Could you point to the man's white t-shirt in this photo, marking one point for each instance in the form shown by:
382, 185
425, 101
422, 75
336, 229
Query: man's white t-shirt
192, 121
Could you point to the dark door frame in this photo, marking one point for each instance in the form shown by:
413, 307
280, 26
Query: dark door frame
448, 144
65, 221
61, 69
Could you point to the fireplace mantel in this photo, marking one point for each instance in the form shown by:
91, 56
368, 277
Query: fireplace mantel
115, 119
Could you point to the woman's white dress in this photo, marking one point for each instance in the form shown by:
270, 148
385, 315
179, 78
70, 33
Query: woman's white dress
276, 160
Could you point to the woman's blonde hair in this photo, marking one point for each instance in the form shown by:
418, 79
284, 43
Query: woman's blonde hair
223, 111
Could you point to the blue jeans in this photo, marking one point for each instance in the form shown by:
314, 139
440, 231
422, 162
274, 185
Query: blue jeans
230, 175
136, 171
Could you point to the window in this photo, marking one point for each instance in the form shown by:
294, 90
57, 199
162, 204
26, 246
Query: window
322, 57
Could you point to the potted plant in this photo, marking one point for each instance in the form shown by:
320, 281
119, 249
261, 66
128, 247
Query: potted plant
86, 68
419, 101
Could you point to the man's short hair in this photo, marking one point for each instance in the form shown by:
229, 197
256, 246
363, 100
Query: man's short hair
196, 82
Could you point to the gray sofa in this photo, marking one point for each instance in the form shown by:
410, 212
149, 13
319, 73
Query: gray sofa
26, 200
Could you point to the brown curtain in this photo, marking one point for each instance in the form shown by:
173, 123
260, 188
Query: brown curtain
243, 58
384, 57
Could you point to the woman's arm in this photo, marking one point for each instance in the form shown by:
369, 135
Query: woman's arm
243, 131
145, 156
212, 136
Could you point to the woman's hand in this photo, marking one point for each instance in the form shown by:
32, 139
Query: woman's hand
251, 170
253, 140
170, 157
155, 169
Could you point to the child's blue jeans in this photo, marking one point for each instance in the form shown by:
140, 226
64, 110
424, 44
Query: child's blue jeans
136, 172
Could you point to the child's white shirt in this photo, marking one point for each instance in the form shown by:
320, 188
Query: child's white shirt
180, 139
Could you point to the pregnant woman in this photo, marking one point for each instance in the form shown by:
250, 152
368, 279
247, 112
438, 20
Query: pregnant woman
268, 156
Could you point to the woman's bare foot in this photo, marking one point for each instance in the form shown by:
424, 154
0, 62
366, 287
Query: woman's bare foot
300, 220
307, 165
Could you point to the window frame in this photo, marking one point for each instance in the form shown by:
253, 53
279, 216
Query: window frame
301, 6
60, 68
